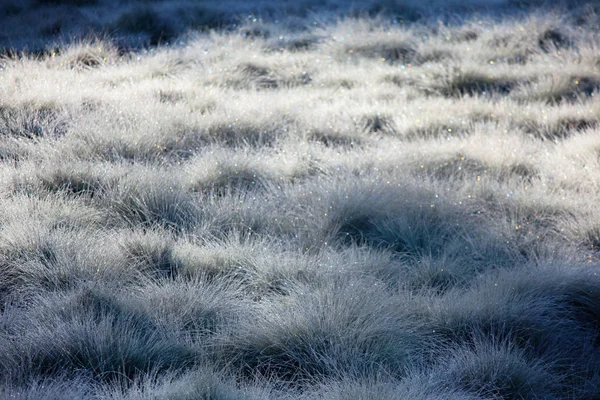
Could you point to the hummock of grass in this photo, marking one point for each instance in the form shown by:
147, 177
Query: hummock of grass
362, 208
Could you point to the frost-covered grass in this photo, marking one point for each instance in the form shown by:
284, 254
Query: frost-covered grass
362, 208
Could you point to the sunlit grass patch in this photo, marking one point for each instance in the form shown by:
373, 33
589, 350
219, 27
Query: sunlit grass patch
86, 55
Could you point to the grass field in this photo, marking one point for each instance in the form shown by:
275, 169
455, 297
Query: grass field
383, 205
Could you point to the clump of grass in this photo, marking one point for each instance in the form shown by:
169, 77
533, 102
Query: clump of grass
243, 133
91, 331
559, 128
85, 55
38, 259
378, 124
344, 334
32, 121
254, 76
555, 89
499, 370
393, 47
14, 150
152, 204
196, 309
151, 252
458, 82
76, 179
521, 305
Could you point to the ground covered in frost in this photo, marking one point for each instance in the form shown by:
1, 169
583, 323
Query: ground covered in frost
367, 208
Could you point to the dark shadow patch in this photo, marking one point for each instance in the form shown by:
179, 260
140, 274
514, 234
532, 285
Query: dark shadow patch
303, 43
500, 41
333, 139
344, 84
509, 50
435, 132
10, 9
424, 232
520, 58
170, 96
465, 36
254, 76
559, 130
433, 56
396, 79
377, 124
85, 60
152, 255
255, 32
200, 16
459, 84
524, 171
584, 86
258, 76
394, 9
148, 21
355, 230
552, 39
231, 179
91, 104
241, 135
430, 273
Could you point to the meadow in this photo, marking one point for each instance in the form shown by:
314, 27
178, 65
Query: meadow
386, 203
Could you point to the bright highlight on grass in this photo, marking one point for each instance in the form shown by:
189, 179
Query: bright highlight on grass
384, 205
